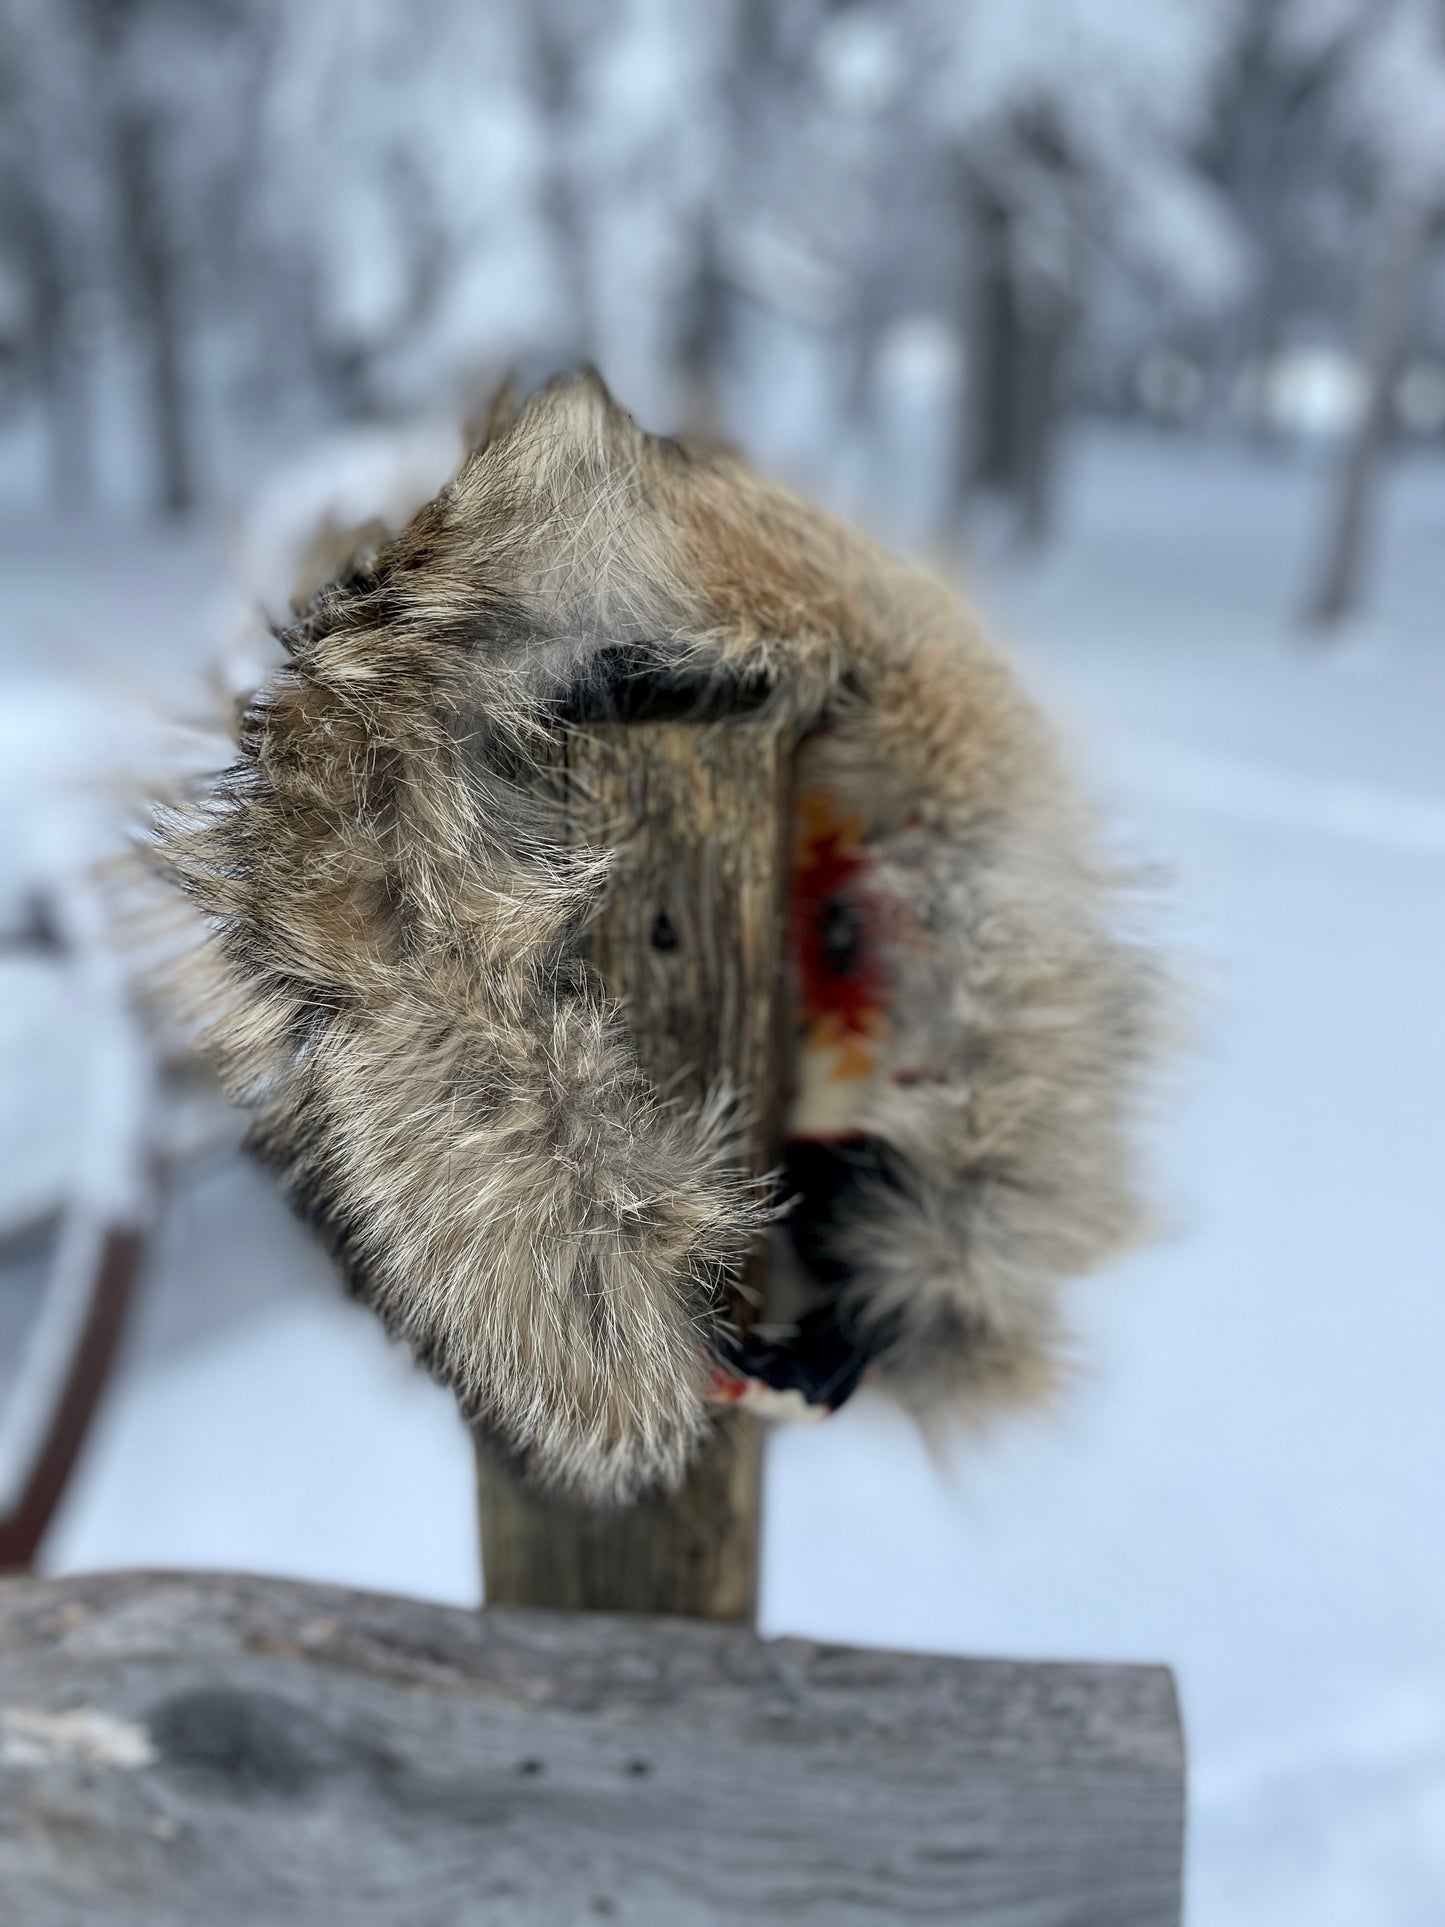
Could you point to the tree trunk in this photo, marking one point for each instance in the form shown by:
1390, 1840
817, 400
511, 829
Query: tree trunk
1018, 321
1043, 335
58, 361
151, 265
1393, 278
991, 430
690, 939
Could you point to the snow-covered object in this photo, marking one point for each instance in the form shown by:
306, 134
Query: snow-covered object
645, 154
1125, 89
74, 760
1397, 93
423, 211
1389, 58
74, 1114
43, 1037
338, 482
74, 1076
305, 517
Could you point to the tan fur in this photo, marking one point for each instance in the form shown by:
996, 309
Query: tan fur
387, 980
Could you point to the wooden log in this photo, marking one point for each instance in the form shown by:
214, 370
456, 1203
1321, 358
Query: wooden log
690, 940
235, 1750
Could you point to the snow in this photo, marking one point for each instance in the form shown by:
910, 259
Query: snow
266, 1423
1245, 1481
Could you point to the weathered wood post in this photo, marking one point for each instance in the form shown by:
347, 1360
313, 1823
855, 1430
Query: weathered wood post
691, 939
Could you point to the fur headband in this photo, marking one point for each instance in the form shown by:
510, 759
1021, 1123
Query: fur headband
390, 916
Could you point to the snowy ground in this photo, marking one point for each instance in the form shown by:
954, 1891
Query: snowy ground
1246, 1484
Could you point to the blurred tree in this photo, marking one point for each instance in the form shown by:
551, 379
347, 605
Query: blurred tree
1391, 89
406, 168
120, 172
644, 141
830, 235
52, 223
893, 244
1282, 160
148, 241
1078, 127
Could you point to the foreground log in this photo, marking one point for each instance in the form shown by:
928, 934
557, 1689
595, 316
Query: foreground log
234, 1750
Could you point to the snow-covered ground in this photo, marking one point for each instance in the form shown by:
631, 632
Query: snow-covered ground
1247, 1482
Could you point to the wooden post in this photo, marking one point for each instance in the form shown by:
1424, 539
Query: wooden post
690, 940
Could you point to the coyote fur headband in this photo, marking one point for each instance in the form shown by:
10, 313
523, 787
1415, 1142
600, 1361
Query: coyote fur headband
389, 982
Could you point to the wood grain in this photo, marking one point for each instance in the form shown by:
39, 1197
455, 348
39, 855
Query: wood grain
178, 1748
690, 941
